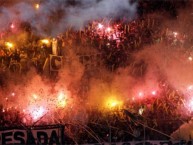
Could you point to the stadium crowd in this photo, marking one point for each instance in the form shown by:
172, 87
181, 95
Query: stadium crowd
114, 47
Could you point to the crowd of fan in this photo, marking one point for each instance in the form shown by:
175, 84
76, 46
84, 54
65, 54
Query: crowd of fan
115, 53
116, 124
127, 124
115, 47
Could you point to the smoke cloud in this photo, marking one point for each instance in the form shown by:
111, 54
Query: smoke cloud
54, 16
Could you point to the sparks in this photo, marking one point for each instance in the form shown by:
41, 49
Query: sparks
108, 29
37, 112
189, 87
61, 100
175, 34
153, 93
12, 26
100, 26
140, 94
13, 94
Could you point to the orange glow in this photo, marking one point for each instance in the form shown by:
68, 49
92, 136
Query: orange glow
35, 96
190, 58
45, 41
113, 102
61, 100
37, 6
9, 45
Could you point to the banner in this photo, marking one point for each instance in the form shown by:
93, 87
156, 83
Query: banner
55, 62
35, 136
55, 136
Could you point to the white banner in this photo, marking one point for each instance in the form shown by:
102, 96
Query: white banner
13, 136
49, 136
53, 136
